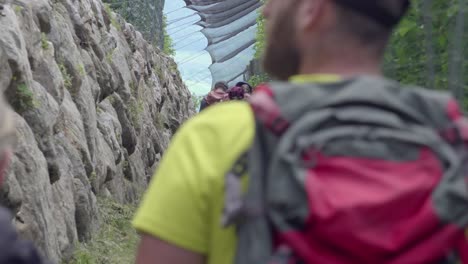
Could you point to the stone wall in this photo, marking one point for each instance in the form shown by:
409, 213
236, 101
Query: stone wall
96, 107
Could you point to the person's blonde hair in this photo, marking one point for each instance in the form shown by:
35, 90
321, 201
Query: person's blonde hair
7, 126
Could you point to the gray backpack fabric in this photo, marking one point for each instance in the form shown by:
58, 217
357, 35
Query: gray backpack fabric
307, 133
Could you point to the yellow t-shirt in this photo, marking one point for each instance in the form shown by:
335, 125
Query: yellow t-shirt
185, 199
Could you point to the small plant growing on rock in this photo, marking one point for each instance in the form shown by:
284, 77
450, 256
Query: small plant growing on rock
44, 41
18, 9
125, 165
93, 176
112, 99
173, 67
67, 79
23, 99
133, 87
136, 109
81, 70
160, 120
158, 72
110, 56
112, 18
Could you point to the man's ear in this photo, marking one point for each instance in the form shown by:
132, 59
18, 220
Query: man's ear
4, 162
310, 13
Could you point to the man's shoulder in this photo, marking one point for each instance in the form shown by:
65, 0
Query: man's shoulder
229, 118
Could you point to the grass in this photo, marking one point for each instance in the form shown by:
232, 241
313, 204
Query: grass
112, 18
23, 99
18, 9
44, 41
116, 241
81, 70
110, 56
158, 72
160, 120
133, 88
67, 79
93, 176
173, 67
136, 108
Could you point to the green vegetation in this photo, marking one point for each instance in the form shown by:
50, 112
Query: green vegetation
260, 37
112, 17
136, 105
135, 109
147, 17
67, 78
142, 14
81, 70
99, 110
168, 46
259, 49
420, 46
125, 165
158, 72
44, 41
196, 99
18, 9
258, 79
23, 98
160, 120
133, 88
116, 241
93, 176
110, 56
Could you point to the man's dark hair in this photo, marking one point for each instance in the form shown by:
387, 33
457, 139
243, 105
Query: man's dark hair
221, 85
239, 84
370, 22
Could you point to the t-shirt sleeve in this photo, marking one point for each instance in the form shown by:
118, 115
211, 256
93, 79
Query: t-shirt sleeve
176, 205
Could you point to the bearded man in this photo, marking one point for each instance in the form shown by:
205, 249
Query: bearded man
320, 44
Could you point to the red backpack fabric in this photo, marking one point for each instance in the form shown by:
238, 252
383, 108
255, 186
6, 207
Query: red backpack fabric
361, 171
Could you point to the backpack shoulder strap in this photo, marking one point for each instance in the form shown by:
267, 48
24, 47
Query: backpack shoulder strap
268, 115
445, 113
267, 111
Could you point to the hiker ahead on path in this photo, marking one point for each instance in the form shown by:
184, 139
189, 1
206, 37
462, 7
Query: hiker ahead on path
216, 95
347, 166
236, 93
242, 91
248, 89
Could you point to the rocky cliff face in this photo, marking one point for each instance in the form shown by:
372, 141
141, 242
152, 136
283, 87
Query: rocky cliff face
96, 107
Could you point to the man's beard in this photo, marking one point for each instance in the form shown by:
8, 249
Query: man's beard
282, 59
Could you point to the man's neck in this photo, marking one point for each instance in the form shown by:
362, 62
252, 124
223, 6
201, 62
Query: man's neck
346, 65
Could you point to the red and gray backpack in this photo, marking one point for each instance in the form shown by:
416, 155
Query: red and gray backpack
355, 172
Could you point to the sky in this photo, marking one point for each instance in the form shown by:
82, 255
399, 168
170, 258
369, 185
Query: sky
189, 44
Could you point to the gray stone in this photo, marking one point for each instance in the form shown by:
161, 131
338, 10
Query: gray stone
96, 108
